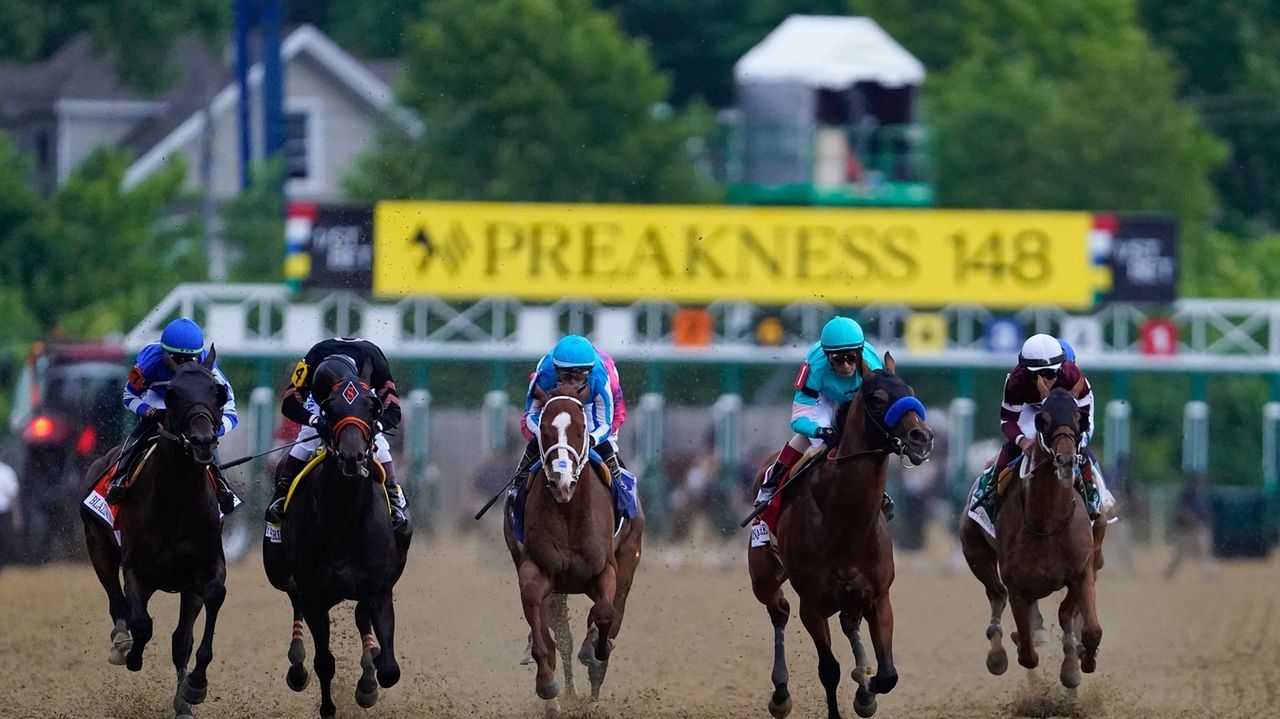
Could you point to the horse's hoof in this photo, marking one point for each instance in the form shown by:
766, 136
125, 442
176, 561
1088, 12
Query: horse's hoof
864, 703
550, 691
780, 702
133, 664
191, 693
997, 661
297, 678
328, 711
883, 684
994, 632
366, 693
1088, 664
551, 709
1031, 661
388, 676
1070, 675
121, 644
297, 652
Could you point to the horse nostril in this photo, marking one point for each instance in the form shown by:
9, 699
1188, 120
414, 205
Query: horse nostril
918, 436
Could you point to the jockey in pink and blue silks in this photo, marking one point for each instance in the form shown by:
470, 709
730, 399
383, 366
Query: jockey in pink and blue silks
576, 361
619, 402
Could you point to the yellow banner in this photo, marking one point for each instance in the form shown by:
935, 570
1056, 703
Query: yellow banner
768, 255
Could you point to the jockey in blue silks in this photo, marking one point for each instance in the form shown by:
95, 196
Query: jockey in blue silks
183, 341
828, 379
573, 360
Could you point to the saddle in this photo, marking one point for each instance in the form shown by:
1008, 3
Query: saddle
623, 492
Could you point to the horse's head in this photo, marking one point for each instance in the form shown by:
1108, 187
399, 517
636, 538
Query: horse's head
352, 410
563, 441
1058, 432
892, 408
193, 406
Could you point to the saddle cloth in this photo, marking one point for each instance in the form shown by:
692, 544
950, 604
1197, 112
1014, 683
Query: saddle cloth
764, 527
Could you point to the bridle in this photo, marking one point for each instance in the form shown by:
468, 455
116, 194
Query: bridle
578, 456
893, 444
365, 427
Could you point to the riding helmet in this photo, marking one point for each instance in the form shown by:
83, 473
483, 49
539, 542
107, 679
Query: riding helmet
1041, 351
573, 351
329, 372
841, 333
182, 336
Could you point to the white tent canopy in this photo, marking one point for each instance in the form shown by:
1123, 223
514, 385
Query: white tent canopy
831, 53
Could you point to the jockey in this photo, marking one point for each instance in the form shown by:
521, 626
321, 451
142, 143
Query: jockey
1042, 365
312, 380
574, 360
183, 341
619, 403
828, 379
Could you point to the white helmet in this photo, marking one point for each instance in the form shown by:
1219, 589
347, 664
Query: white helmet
1041, 352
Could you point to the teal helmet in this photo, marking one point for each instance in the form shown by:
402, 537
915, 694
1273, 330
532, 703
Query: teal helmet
840, 334
573, 351
182, 337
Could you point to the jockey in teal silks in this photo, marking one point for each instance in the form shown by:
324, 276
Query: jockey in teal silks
827, 381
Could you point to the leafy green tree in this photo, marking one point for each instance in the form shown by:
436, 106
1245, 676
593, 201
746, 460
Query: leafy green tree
134, 35
253, 227
698, 41
534, 100
368, 28
19, 206
99, 257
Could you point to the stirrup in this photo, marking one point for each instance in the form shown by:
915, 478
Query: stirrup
275, 511
765, 495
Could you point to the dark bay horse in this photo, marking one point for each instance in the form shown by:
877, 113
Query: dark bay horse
834, 546
1044, 542
171, 534
337, 543
569, 544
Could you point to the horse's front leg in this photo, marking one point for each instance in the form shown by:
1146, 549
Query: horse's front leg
535, 587
600, 628
864, 701
183, 640
1091, 632
1021, 608
815, 621
880, 623
1068, 614
196, 685
558, 618
140, 626
297, 677
383, 613
317, 617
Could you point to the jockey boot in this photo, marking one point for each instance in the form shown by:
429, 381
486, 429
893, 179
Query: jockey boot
770, 485
521, 477
394, 494
609, 456
118, 487
226, 497
1089, 491
285, 474
886, 507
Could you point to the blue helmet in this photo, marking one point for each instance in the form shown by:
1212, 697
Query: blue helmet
841, 333
182, 336
573, 351
1067, 349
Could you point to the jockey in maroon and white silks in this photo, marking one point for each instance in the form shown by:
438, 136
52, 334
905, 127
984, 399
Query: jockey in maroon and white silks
1042, 365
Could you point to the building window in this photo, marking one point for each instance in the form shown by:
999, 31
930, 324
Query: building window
295, 145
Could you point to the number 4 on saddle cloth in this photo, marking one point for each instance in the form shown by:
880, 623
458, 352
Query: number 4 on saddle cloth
623, 490
984, 498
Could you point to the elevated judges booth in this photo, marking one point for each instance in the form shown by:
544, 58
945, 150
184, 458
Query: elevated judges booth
826, 115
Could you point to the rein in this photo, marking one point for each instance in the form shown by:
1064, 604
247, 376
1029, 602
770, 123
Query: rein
1026, 478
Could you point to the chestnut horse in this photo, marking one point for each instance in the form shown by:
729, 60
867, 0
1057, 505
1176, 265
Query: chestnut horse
569, 544
1044, 542
832, 542
171, 533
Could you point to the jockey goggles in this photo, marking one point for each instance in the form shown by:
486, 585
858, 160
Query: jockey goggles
1047, 373
844, 357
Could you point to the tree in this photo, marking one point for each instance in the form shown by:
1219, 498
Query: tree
99, 257
533, 100
253, 226
19, 206
368, 28
134, 35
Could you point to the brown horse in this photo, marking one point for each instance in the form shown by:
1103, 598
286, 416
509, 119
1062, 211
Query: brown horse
1044, 542
834, 546
171, 534
569, 544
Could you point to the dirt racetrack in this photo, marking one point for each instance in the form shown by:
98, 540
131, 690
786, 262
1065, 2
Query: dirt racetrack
695, 644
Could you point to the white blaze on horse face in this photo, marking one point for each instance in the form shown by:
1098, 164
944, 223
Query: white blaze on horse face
562, 462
